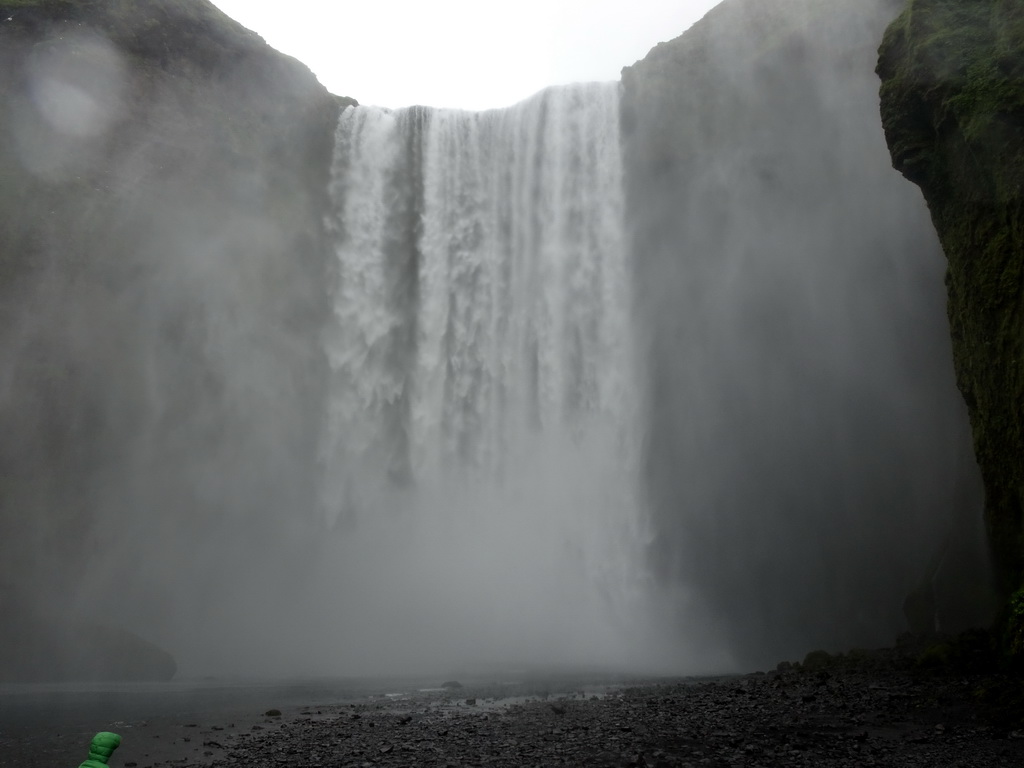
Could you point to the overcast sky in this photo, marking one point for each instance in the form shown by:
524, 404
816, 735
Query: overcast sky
472, 54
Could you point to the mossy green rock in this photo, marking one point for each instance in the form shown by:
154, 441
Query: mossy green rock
952, 104
1013, 625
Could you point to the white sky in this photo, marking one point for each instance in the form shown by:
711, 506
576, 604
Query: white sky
471, 54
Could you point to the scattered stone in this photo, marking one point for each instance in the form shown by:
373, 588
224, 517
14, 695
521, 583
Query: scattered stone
886, 713
454, 685
273, 713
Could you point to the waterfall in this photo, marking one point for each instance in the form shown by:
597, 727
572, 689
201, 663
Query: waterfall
481, 455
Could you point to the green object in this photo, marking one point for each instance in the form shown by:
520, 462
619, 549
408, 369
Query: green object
102, 747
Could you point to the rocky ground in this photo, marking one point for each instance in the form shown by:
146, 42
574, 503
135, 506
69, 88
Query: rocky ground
932, 703
901, 710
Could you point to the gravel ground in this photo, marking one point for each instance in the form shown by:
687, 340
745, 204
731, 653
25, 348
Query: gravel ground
887, 715
922, 704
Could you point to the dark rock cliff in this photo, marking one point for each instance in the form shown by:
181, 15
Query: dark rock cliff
952, 103
808, 457
163, 179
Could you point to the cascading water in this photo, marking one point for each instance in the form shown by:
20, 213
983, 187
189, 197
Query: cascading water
482, 450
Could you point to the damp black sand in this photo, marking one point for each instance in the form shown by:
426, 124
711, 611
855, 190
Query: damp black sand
880, 708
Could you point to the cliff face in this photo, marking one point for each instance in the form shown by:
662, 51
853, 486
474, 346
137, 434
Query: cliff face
163, 182
808, 456
163, 179
952, 103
